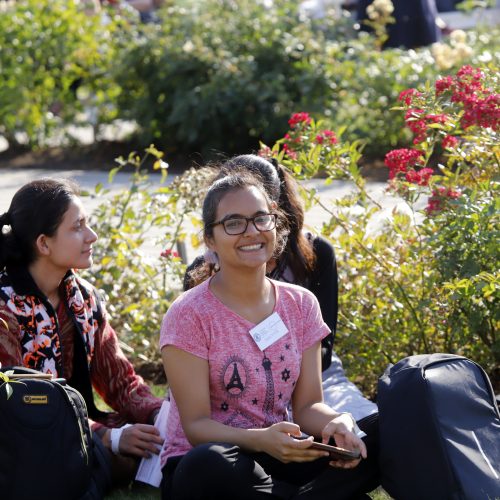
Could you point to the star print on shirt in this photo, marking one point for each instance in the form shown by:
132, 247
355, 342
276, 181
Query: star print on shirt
280, 396
224, 406
287, 347
255, 401
285, 374
282, 358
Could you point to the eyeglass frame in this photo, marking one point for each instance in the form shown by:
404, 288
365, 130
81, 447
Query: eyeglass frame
248, 220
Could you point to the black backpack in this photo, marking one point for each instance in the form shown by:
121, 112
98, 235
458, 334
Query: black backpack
46, 446
439, 430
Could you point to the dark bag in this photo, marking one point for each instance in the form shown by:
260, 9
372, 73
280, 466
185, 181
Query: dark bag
439, 430
46, 446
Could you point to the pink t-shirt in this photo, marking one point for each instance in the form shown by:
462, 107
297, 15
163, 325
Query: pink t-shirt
249, 388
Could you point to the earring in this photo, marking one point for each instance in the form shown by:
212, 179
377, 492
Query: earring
216, 263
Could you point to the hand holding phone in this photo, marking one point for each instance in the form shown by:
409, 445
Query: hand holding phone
336, 453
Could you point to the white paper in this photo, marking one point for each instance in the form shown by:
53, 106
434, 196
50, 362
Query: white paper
149, 470
267, 332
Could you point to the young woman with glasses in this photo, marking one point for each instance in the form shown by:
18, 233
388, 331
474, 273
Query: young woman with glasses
307, 260
239, 350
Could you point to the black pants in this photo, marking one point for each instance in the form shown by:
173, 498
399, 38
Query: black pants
221, 471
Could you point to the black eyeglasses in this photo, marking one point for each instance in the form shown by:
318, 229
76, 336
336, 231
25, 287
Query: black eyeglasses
238, 225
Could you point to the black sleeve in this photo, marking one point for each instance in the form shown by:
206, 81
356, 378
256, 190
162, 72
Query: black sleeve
187, 283
324, 285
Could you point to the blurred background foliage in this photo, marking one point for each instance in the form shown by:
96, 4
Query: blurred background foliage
212, 75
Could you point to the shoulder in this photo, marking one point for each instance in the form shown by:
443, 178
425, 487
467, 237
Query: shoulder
288, 292
322, 247
190, 301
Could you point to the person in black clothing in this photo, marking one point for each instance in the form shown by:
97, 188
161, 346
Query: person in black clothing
308, 260
415, 24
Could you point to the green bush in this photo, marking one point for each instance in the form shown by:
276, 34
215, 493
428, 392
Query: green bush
139, 288
422, 277
54, 61
219, 75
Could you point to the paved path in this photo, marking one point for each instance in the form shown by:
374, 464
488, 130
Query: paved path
12, 179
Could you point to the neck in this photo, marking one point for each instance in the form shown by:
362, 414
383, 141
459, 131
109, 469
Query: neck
244, 287
46, 278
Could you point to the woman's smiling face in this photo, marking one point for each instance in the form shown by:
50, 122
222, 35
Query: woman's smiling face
252, 248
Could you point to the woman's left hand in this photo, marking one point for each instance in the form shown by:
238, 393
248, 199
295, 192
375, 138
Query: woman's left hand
340, 428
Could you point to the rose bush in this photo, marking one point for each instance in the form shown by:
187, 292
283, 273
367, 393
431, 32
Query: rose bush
424, 276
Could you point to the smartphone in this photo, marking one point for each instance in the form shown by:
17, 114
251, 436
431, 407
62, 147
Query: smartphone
336, 453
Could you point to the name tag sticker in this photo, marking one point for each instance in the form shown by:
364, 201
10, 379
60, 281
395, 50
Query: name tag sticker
267, 332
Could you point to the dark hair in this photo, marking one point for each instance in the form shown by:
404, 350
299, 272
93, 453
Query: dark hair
37, 208
223, 184
283, 189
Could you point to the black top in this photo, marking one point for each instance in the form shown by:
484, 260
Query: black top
415, 24
323, 283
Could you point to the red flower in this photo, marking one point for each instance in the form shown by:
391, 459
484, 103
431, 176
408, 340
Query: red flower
169, 254
439, 197
407, 95
449, 142
330, 134
297, 118
420, 177
398, 160
436, 118
482, 112
326, 134
443, 84
416, 124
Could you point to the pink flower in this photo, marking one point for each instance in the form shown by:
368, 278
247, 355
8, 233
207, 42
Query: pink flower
297, 118
319, 139
449, 142
399, 160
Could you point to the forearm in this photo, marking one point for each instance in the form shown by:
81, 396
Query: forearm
313, 418
205, 430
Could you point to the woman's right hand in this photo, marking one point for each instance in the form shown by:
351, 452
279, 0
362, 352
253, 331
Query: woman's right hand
140, 440
278, 441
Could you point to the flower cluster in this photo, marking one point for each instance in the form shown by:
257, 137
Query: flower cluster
303, 133
169, 254
327, 136
481, 107
439, 198
449, 54
418, 122
404, 161
301, 118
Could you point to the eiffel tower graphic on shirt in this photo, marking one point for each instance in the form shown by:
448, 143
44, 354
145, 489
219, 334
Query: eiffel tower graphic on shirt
235, 381
269, 398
